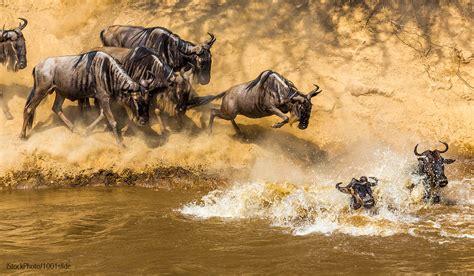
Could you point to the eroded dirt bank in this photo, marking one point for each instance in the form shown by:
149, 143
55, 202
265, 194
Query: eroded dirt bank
393, 75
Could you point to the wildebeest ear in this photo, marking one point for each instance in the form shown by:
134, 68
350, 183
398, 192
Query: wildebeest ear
197, 49
449, 161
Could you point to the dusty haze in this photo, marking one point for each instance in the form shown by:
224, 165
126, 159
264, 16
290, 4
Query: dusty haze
392, 75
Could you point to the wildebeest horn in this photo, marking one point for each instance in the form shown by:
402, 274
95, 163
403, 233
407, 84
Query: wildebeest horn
416, 152
314, 92
23, 25
446, 145
210, 41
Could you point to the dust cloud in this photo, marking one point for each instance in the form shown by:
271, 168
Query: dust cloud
392, 75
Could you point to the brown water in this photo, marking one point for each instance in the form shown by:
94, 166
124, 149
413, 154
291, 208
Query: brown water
145, 231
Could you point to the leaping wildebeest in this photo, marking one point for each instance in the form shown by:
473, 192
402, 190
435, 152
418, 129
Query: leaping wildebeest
90, 75
171, 48
12, 53
431, 168
269, 94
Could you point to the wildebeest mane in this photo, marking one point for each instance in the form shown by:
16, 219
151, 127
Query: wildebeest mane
263, 77
103, 66
170, 39
143, 59
8, 54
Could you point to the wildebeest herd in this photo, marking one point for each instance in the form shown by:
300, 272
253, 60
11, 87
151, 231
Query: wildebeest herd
136, 66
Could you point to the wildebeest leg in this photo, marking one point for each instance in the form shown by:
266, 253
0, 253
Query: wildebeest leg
236, 127
4, 106
216, 112
58, 109
124, 129
32, 103
110, 118
161, 121
92, 126
84, 106
280, 114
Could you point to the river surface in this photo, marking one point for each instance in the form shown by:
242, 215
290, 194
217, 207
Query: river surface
138, 230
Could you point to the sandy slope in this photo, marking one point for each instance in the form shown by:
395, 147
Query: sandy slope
389, 83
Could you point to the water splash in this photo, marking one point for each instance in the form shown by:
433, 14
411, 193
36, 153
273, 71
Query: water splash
317, 207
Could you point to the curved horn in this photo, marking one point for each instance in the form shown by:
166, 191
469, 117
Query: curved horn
23, 25
446, 145
210, 41
416, 151
316, 89
314, 92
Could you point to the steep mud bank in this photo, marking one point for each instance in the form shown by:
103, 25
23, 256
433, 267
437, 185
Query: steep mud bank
392, 75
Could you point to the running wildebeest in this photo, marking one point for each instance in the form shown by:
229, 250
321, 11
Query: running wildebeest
173, 50
90, 75
269, 94
431, 168
12, 53
140, 62
360, 191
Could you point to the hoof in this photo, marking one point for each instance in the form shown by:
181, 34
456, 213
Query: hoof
22, 137
8, 116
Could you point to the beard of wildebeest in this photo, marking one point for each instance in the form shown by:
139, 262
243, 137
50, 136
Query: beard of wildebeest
431, 167
13, 47
302, 111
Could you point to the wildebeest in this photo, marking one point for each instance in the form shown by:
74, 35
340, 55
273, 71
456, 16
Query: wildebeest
140, 62
172, 49
360, 191
431, 168
12, 53
90, 75
269, 94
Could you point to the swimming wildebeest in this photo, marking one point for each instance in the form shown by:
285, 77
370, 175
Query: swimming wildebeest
173, 50
12, 53
90, 75
360, 191
269, 94
431, 168
140, 62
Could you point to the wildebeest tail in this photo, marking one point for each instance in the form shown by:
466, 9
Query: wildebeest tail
28, 101
198, 101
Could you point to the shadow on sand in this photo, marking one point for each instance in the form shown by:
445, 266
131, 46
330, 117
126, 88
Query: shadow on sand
299, 150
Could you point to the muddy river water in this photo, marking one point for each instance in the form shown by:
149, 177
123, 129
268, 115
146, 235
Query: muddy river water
237, 230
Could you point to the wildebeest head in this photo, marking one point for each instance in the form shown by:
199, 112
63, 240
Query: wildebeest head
431, 165
361, 193
181, 88
301, 106
136, 100
18, 46
202, 59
